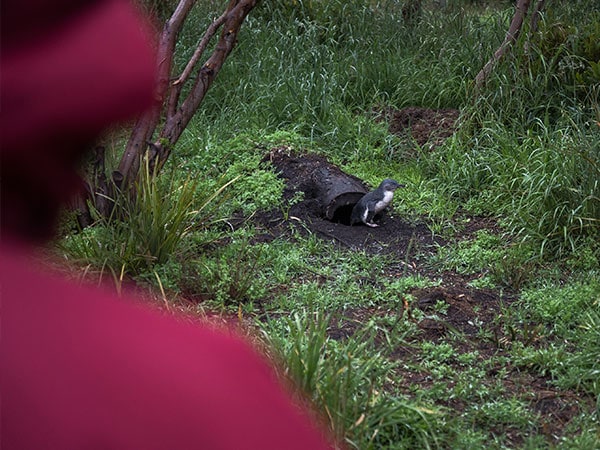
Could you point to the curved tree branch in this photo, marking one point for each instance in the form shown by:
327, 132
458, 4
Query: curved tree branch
231, 24
145, 126
511, 36
179, 82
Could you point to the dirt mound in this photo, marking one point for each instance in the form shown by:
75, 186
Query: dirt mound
424, 125
305, 173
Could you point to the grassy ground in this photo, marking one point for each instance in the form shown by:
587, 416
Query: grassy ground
387, 363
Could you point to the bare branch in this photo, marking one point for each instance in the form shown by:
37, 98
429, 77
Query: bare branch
178, 115
511, 36
236, 13
210, 32
177, 85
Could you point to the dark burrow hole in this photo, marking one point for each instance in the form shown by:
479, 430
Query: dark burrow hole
342, 214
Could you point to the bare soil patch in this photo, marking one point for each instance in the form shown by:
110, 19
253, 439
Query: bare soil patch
427, 127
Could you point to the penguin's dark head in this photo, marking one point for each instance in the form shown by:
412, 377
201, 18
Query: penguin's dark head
389, 185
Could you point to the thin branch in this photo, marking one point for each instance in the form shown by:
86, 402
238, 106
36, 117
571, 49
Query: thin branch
237, 12
177, 114
210, 32
511, 36
177, 85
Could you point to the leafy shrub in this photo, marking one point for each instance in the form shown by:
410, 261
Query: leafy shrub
229, 276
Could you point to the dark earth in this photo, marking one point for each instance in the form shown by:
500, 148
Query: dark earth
470, 313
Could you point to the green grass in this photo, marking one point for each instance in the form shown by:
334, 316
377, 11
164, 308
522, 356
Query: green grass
344, 378
569, 313
306, 75
143, 229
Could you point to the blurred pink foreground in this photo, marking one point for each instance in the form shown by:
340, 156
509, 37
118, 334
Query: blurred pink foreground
81, 369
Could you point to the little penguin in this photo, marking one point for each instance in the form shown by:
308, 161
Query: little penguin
374, 202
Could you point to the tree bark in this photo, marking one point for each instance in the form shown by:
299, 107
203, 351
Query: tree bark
178, 113
511, 36
181, 116
145, 126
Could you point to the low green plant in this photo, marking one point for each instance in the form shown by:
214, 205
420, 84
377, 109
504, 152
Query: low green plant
515, 267
167, 277
583, 366
229, 276
145, 227
570, 312
471, 256
241, 158
504, 413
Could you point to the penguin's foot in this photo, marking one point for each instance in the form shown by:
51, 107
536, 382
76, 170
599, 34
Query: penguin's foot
371, 224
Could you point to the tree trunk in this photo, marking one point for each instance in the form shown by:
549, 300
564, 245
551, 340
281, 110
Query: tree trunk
175, 113
145, 126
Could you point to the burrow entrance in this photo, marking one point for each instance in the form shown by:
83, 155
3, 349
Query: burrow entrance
342, 214
329, 192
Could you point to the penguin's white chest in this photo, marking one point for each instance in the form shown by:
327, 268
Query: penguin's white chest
382, 204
